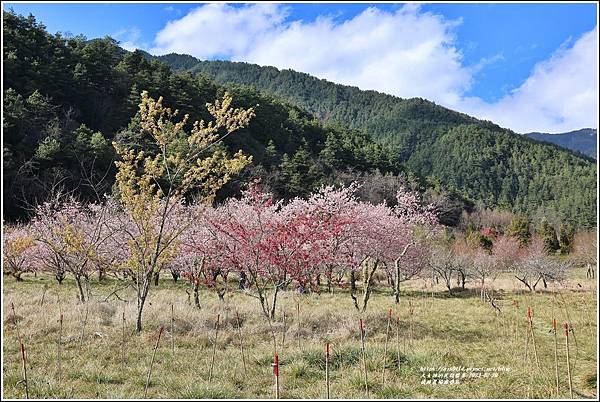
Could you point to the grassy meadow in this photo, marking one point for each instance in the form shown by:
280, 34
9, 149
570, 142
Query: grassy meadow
443, 331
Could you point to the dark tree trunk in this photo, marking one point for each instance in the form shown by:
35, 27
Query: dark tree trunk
243, 280
80, 288
353, 289
196, 294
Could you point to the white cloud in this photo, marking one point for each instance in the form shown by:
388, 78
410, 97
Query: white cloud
407, 52
218, 30
129, 39
561, 94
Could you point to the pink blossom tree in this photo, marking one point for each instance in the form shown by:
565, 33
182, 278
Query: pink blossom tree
416, 226
20, 250
72, 236
536, 265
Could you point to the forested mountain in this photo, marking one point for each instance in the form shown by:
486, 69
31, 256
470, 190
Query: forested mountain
67, 98
584, 141
479, 159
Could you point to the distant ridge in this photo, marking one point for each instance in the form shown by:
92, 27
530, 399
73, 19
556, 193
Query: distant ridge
584, 141
475, 158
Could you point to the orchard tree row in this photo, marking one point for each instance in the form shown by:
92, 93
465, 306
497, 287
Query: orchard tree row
163, 217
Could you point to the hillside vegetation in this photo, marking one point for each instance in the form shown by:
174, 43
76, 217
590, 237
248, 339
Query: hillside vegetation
479, 159
66, 98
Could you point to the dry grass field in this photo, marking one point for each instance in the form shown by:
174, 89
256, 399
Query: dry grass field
443, 332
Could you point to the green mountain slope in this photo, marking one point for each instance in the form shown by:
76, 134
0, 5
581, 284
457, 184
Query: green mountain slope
479, 159
66, 99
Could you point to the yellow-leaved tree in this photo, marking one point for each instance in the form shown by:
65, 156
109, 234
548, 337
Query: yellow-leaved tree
152, 187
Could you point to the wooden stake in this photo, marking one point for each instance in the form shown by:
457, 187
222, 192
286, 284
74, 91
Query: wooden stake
123, 343
60, 320
160, 332
410, 321
24, 368
284, 330
241, 340
555, 356
327, 368
12, 306
385, 348
398, 341
172, 330
84, 324
527, 345
529, 318
44, 294
276, 374
298, 321
212, 360
364, 354
566, 325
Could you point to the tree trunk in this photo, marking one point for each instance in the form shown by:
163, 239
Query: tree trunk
196, 293
397, 284
353, 289
448, 280
156, 276
368, 281
263, 305
524, 282
243, 280
60, 276
80, 288
482, 288
142, 294
274, 301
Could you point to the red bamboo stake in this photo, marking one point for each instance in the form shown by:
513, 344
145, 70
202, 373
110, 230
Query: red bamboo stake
160, 332
566, 325
276, 374
385, 348
364, 354
12, 306
327, 368
529, 318
212, 361
24, 367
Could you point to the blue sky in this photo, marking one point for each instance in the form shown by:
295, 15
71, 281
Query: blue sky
479, 58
